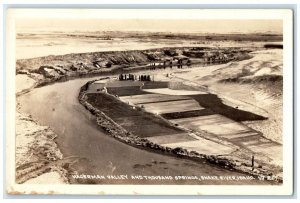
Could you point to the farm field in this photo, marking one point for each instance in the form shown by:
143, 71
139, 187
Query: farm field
254, 85
148, 125
185, 111
172, 106
167, 139
138, 122
151, 98
172, 92
237, 133
215, 124
80, 137
202, 146
125, 91
191, 111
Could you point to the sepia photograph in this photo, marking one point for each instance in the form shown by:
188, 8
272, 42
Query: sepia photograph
137, 101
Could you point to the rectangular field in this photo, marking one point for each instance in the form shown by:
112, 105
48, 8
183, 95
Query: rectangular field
173, 92
215, 124
125, 91
172, 106
168, 139
155, 85
202, 146
138, 122
151, 98
116, 83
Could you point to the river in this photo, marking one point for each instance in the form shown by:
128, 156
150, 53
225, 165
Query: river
57, 106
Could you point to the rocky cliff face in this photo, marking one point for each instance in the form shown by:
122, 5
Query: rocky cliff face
52, 68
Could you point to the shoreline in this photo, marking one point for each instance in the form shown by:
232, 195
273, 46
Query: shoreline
38, 166
37, 153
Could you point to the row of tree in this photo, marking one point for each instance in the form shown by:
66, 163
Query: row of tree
144, 78
127, 77
133, 77
170, 64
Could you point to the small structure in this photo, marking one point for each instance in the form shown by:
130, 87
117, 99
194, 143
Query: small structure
102, 63
181, 60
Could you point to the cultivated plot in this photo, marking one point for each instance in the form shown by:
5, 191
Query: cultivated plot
140, 123
203, 146
235, 132
216, 124
173, 92
151, 98
175, 138
172, 106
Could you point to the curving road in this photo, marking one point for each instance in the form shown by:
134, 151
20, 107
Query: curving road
57, 106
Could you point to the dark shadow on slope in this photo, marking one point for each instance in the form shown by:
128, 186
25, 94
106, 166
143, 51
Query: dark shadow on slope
187, 114
126, 91
214, 103
155, 85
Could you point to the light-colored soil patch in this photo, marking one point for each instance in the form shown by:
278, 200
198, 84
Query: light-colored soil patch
108, 83
271, 128
23, 82
259, 102
215, 124
264, 62
36, 151
26, 128
244, 134
203, 146
236, 133
47, 178
169, 139
96, 87
173, 106
148, 98
173, 92
274, 152
260, 97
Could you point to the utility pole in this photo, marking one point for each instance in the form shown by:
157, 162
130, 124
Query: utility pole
252, 162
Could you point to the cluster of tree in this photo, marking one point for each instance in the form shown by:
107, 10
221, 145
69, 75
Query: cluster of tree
180, 63
170, 52
144, 78
133, 77
127, 77
169, 63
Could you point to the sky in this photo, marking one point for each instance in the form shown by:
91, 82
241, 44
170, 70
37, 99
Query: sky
152, 25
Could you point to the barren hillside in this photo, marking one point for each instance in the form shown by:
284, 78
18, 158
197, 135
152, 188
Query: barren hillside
254, 84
